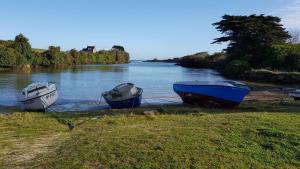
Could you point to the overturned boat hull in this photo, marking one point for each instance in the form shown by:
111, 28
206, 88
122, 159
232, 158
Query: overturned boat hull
226, 94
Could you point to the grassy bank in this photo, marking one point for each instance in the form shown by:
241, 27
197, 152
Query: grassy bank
277, 77
240, 69
256, 135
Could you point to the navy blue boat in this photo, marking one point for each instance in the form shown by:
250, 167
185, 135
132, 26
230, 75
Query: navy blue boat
125, 95
227, 94
295, 94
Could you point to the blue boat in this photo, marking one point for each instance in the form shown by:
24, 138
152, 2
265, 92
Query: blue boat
226, 94
125, 95
295, 94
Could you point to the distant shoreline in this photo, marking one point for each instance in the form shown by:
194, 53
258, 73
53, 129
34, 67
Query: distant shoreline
218, 62
174, 60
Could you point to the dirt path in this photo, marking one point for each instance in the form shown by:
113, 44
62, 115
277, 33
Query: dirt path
20, 151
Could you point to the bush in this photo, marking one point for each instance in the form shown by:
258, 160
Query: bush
293, 60
8, 57
236, 68
284, 57
268, 76
19, 52
204, 60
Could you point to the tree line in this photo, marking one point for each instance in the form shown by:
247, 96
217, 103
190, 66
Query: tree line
254, 42
19, 52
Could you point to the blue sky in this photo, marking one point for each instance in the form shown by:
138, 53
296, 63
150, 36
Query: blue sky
146, 28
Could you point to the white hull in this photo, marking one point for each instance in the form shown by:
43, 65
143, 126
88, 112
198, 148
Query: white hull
41, 102
38, 96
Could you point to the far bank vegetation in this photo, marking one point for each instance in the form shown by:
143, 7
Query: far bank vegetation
18, 53
259, 49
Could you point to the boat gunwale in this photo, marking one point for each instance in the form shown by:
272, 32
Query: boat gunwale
238, 87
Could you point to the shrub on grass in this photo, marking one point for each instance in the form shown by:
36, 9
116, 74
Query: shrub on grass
268, 76
236, 68
284, 57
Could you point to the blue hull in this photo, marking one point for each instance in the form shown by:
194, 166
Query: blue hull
129, 103
201, 93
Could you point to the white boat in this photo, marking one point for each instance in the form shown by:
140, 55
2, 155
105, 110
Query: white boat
38, 96
295, 94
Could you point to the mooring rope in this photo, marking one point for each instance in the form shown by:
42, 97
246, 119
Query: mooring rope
100, 100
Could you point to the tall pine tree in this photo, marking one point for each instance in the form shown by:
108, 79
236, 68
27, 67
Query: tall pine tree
249, 37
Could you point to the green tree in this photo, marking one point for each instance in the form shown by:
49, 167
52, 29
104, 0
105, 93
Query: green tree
236, 68
21, 44
8, 56
284, 56
118, 47
7, 43
74, 54
53, 54
250, 36
66, 59
40, 59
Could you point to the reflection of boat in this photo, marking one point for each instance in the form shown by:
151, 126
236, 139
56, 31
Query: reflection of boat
38, 96
224, 93
125, 95
295, 94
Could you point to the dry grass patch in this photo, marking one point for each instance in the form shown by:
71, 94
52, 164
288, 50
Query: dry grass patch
24, 136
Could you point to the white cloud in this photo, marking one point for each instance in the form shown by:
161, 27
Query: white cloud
290, 14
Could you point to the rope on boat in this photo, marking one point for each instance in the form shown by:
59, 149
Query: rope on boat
100, 100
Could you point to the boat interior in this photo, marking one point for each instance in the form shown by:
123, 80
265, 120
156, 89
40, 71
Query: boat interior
122, 92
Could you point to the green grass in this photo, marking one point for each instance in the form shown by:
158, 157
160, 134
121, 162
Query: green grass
173, 137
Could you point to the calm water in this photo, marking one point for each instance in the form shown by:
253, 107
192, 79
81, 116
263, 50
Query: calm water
80, 87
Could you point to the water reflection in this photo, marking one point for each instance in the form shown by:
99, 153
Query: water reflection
80, 86
116, 68
205, 74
